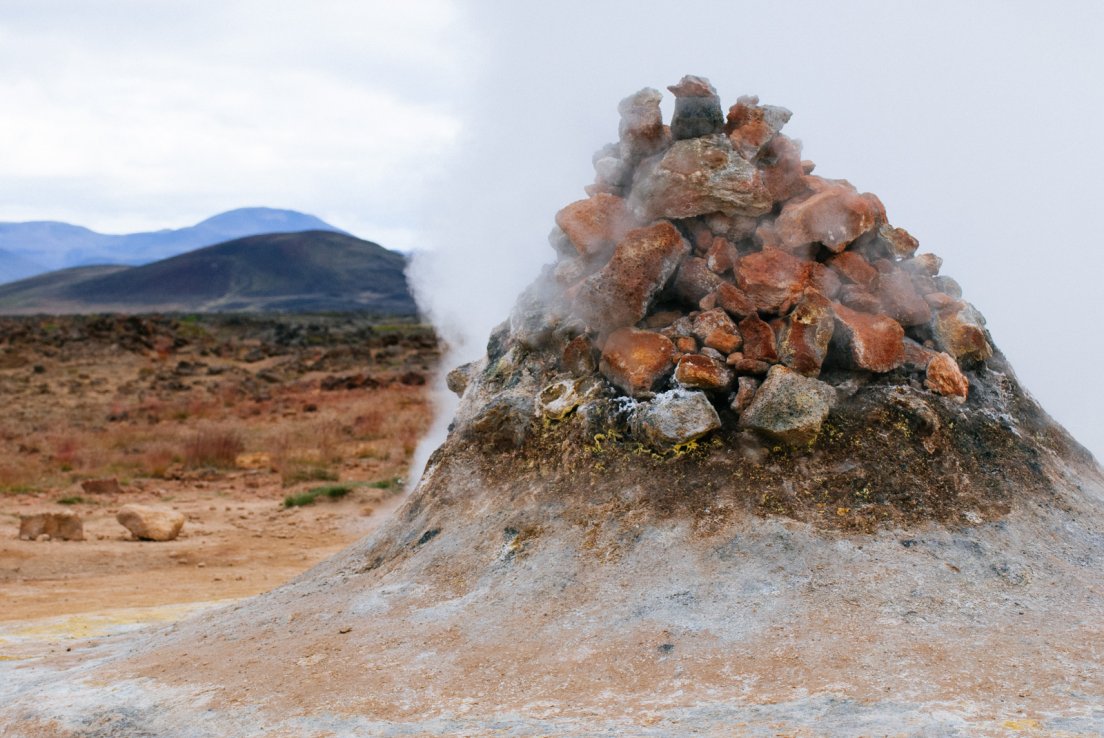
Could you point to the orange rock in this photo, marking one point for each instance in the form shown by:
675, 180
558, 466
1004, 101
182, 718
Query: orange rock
853, 267
858, 298
636, 361
959, 329
770, 278
743, 365
579, 356
803, 344
695, 371
876, 342
725, 341
901, 301
946, 378
759, 339
833, 217
780, 162
712, 320
621, 293
594, 225
686, 344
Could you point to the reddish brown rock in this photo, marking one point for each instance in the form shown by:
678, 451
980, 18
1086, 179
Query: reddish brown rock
925, 264
708, 302
750, 125
853, 267
858, 298
637, 361
946, 378
780, 163
901, 301
821, 278
712, 320
580, 357
770, 278
939, 300
641, 128
959, 329
759, 340
745, 393
693, 280
623, 290
804, 341
733, 301
699, 176
701, 237
109, 486
875, 342
594, 225
721, 256
743, 365
833, 217
697, 108
695, 371
917, 356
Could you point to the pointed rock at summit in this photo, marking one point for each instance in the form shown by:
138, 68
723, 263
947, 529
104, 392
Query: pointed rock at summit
751, 125
641, 129
699, 176
621, 293
697, 108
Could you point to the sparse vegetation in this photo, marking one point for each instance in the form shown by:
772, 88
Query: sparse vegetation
213, 447
71, 500
332, 491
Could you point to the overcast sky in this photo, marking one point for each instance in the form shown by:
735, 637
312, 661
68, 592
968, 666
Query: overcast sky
464, 126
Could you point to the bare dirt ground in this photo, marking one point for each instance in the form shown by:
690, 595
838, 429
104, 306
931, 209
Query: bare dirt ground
222, 419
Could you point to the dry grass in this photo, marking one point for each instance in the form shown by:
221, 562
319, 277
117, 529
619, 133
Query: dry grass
213, 447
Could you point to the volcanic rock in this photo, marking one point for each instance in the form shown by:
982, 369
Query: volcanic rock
580, 357
770, 278
916, 356
594, 225
722, 255
945, 377
58, 526
789, 407
834, 217
674, 417
696, 371
636, 361
851, 265
745, 393
901, 300
782, 168
150, 523
641, 129
559, 399
697, 108
803, 344
698, 176
959, 329
733, 301
750, 125
622, 292
760, 343
876, 341
694, 281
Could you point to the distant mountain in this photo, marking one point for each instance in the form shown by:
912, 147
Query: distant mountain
14, 266
38, 246
312, 271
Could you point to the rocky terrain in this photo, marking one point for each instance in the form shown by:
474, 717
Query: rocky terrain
218, 418
741, 461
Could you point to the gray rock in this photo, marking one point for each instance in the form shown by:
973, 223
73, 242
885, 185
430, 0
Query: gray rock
697, 109
674, 417
789, 407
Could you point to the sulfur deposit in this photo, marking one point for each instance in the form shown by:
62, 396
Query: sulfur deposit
740, 462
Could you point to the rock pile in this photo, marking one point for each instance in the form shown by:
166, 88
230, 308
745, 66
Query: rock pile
714, 280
